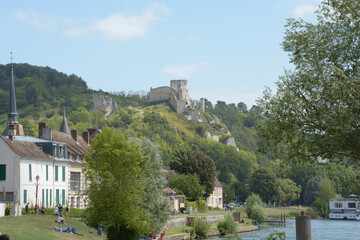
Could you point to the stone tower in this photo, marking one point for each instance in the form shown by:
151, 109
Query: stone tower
202, 105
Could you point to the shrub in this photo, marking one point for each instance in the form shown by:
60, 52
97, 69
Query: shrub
312, 212
228, 225
251, 201
200, 227
201, 204
275, 235
258, 212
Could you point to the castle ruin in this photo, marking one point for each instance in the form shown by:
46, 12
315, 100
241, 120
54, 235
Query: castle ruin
177, 95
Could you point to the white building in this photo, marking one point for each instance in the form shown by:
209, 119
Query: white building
21, 161
215, 200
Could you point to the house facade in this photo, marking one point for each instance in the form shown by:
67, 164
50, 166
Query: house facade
215, 200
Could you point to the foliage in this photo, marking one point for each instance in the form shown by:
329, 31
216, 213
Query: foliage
325, 193
312, 212
276, 235
288, 190
201, 204
187, 184
258, 212
200, 227
228, 225
179, 159
116, 170
314, 113
251, 201
264, 182
202, 165
154, 181
312, 188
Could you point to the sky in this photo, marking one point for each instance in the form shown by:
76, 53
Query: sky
228, 50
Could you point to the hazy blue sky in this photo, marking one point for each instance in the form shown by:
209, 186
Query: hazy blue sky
227, 49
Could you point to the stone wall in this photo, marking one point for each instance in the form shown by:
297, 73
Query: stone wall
104, 103
181, 220
160, 94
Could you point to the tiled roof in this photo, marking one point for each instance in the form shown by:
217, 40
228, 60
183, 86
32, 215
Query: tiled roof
217, 183
27, 149
80, 147
169, 190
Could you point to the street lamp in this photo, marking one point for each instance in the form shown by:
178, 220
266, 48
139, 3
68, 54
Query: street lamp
36, 201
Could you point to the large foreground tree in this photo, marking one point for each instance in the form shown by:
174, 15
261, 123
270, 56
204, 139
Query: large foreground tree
315, 113
115, 168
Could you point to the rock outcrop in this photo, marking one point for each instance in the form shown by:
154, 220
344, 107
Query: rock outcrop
104, 103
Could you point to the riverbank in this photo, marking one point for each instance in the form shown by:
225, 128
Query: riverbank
212, 233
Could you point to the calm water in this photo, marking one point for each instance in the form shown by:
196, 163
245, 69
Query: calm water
320, 230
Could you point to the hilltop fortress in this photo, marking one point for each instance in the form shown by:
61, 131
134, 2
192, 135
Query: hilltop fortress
177, 95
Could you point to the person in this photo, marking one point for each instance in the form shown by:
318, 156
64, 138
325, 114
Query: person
67, 229
4, 236
36, 209
190, 209
60, 209
56, 211
67, 211
195, 210
43, 209
27, 208
60, 220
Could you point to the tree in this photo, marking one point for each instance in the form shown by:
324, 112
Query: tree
311, 190
179, 159
264, 182
314, 114
187, 184
252, 201
115, 168
240, 190
202, 165
288, 190
154, 181
242, 107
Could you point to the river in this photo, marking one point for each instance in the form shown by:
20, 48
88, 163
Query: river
320, 230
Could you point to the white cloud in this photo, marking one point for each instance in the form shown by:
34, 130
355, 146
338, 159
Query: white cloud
40, 21
184, 71
119, 27
302, 10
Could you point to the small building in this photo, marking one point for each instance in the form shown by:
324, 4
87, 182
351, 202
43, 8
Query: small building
215, 200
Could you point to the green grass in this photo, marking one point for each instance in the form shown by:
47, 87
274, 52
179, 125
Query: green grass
40, 227
276, 212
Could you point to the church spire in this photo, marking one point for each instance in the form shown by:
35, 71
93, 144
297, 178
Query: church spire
12, 113
64, 125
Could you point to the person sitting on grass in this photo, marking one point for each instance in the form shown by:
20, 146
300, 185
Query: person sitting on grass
72, 230
4, 236
60, 220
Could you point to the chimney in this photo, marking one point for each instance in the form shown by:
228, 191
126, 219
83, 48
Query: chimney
86, 137
42, 125
74, 134
11, 136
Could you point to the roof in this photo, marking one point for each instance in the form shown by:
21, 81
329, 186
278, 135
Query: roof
79, 147
169, 190
64, 125
26, 149
217, 183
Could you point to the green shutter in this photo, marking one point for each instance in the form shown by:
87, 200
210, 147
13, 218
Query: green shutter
25, 196
2, 172
50, 197
43, 197
57, 196
56, 173
47, 195
63, 197
47, 172
63, 174
30, 177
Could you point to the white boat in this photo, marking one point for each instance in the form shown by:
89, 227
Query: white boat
346, 208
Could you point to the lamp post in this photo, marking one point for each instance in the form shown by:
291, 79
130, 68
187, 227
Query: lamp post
36, 201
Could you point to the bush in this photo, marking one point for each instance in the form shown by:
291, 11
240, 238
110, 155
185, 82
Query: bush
200, 227
201, 205
258, 212
275, 235
228, 225
251, 201
312, 212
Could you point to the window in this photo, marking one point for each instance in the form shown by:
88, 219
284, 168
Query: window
63, 197
56, 173
50, 197
25, 196
47, 195
72, 202
338, 205
30, 177
47, 172
75, 181
2, 172
57, 201
78, 202
351, 205
43, 196
63, 174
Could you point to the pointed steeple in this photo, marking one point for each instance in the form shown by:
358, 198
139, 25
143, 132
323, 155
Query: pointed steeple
64, 125
12, 113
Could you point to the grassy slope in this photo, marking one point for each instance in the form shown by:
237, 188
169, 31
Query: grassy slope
40, 227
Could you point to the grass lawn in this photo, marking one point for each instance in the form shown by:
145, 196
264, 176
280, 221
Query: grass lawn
276, 212
40, 227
